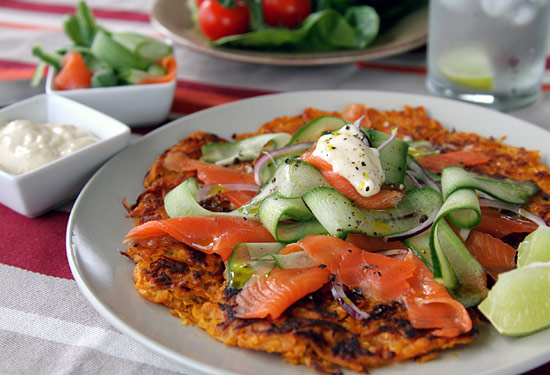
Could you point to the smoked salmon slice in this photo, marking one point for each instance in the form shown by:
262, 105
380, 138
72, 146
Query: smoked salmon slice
376, 276
212, 174
238, 198
209, 234
430, 306
373, 244
272, 295
383, 199
500, 225
436, 163
405, 278
492, 253
208, 174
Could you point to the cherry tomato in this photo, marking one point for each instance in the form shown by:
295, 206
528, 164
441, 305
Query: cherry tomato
215, 21
288, 13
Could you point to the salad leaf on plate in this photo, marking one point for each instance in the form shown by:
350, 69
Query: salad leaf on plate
326, 29
333, 25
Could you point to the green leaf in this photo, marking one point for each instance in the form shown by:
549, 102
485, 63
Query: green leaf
49, 58
366, 23
72, 29
329, 29
38, 74
322, 30
104, 78
255, 8
86, 22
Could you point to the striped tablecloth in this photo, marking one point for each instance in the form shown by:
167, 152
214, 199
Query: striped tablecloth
46, 325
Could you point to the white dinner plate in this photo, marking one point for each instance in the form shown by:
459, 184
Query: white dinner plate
173, 19
98, 224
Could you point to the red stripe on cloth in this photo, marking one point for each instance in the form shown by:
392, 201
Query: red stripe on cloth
16, 74
392, 68
63, 9
25, 26
542, 370
9, 64
193, 96
11, 70
237, 92
188, 101
36, 245
546, 87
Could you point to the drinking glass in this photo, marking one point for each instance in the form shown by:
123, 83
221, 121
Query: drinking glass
490, 52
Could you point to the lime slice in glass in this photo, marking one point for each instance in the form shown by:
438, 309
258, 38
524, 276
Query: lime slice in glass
535, 247
519, 302
467, 66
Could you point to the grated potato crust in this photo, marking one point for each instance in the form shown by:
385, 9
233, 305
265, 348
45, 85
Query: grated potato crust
315, 331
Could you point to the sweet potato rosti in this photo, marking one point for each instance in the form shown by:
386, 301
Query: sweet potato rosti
316, 330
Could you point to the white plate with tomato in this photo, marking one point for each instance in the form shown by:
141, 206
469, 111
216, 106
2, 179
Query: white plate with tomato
176, 20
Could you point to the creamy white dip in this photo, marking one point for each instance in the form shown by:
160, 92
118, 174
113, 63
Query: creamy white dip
26, 145
350, 156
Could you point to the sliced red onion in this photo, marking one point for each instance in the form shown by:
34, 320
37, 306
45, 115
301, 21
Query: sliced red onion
389, 140
270, 156
414, 180
416, 230
259, 259
347, 304
209, 190
424, 146
513, 208
390, 253
449, 146
417, 168
464, 234
357, 124
200, 247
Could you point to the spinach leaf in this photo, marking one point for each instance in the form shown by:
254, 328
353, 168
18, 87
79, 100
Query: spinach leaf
339, 5
366, 23
389, 11
321, 30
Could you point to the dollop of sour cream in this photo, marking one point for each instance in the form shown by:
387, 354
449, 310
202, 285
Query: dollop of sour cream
350, 156
26, 145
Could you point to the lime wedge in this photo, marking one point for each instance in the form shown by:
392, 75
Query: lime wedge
467, 66
535, 247
519, 302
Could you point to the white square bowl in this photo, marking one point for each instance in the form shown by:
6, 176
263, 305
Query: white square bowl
35, 192
135, 105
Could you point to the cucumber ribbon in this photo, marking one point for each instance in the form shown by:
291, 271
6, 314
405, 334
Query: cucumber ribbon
245, 149
298, 201
451, 262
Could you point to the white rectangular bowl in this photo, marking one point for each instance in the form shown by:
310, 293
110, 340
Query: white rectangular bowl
35, 192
